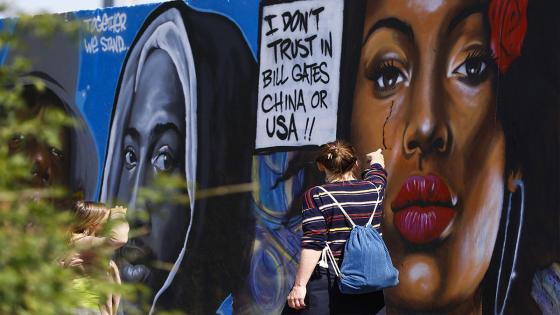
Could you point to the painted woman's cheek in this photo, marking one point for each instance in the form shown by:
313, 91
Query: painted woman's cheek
419, 278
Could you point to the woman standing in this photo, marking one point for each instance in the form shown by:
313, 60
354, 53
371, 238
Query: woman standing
91, 219
315, 290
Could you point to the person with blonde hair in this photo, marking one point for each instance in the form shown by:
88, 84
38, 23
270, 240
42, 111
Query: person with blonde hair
91, 245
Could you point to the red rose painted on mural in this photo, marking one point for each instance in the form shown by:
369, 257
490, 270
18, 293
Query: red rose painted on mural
508, 23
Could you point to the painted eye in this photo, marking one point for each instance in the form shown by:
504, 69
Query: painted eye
471, 67
56, 153
130, 158
388, 78
163, 161
475, 68
16, 142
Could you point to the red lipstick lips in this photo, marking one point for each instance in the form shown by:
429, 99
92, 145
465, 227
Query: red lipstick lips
423, 209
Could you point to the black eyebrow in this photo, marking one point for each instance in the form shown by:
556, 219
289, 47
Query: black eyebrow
163, 127
393, 23
465, 13
132, 132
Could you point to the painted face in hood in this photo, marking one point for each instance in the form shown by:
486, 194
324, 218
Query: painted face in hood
73, 165
185, 106
153, 132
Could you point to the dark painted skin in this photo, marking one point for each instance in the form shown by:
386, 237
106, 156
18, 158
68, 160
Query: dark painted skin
153, 143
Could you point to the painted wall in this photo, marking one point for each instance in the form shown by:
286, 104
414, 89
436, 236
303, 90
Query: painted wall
461, 95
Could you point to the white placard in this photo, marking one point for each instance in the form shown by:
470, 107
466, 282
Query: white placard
299, 73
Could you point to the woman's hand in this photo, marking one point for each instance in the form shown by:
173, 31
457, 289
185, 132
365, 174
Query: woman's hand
296, 297
118, 211
74, 260
118, 235
376, 157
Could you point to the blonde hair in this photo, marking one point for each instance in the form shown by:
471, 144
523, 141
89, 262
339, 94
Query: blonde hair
338, 157
89, 215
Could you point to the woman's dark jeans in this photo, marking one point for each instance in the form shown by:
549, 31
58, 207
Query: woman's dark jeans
324, 298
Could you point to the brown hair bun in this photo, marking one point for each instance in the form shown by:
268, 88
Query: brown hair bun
338, 157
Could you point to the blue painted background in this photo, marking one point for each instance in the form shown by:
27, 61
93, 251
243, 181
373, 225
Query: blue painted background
98, 74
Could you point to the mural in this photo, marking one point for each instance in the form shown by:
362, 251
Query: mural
461, 94
74, 166
175, 81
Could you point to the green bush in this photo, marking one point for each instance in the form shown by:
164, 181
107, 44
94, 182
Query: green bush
35, 219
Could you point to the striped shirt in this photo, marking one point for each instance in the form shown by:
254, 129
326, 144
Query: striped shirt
322, 220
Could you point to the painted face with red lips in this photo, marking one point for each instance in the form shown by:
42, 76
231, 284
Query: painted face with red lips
426, 69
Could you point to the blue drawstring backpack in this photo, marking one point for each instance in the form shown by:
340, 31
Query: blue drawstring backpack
366, 266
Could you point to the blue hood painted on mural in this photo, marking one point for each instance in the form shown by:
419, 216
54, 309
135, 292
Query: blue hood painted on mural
175, 88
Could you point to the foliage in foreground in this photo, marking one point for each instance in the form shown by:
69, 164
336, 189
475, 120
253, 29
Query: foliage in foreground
35, 219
